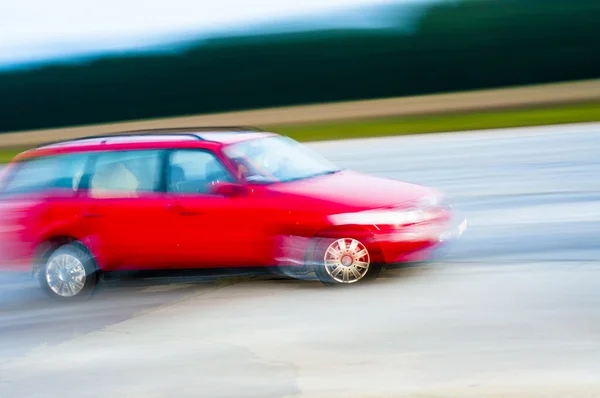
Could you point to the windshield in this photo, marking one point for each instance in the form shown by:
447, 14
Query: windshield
277, 159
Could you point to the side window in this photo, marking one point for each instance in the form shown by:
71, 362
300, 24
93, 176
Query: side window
50, 172
194, 171
125, 174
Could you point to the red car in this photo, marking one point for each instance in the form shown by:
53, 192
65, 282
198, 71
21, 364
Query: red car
206, 198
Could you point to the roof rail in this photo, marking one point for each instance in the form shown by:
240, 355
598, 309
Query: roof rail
182, 131
194, 129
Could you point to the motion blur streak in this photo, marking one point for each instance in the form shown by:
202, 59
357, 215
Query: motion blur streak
514, 311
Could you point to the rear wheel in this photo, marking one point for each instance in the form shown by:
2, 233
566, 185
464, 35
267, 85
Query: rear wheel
68, 273
344, 261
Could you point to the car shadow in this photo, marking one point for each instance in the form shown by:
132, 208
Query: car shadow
148, 288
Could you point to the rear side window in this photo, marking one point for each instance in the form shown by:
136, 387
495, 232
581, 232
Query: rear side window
50, 172
126, 174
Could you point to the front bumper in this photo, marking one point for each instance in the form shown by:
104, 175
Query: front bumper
420, 242
430, 232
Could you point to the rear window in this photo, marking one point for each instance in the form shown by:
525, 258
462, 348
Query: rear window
40, 174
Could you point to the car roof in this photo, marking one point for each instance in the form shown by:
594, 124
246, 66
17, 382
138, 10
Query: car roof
203, 137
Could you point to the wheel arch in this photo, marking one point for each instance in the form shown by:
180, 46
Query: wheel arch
46, 247
358, 232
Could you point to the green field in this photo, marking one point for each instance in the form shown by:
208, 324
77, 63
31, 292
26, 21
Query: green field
559, 114
573, 113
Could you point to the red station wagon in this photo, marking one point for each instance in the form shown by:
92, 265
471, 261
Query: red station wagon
206, 198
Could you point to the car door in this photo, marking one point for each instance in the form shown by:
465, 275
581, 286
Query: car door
125, 211
213, 230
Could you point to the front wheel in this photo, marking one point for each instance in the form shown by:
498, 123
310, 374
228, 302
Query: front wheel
68, 273
344, 261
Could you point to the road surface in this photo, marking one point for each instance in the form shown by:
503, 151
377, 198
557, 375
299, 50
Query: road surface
513, 311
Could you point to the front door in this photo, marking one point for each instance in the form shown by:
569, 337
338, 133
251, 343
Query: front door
213, 230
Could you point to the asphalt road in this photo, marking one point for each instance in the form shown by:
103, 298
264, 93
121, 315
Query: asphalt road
512, 311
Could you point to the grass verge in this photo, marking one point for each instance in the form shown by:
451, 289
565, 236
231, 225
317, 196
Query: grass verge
381, 127
560, 114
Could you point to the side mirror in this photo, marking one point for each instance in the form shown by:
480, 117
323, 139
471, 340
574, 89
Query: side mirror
228, 189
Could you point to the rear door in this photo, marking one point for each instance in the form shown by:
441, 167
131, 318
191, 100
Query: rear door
125, 214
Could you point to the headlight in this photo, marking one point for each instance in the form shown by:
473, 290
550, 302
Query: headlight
420, 211
381, 217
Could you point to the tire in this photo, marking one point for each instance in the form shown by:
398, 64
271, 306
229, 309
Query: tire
343, 262
68, 273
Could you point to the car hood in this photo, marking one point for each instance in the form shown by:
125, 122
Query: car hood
348, 190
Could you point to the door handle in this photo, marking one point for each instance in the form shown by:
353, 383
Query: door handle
191, 213
177, 207
92, 213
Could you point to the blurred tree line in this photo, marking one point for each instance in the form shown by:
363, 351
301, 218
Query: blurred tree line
457, 45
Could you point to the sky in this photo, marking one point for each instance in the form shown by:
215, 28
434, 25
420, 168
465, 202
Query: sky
33, 30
